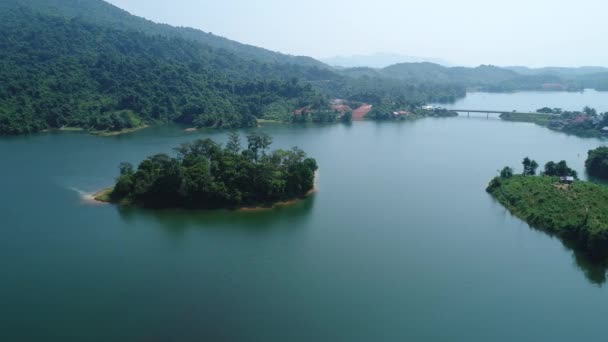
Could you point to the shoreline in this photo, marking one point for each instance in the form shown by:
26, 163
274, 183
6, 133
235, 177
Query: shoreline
121, 132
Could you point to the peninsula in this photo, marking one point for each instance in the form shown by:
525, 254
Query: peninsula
555, 202
207, 175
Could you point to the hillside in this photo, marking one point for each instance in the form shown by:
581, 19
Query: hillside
105, 14
104, 70
484, 77
56, 72
377, 60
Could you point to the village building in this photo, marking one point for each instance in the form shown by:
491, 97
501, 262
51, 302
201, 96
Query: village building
566, 180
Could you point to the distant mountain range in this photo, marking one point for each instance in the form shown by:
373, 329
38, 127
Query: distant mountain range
491, 78
378, 60
560, 71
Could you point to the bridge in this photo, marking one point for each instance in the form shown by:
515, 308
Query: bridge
499, 112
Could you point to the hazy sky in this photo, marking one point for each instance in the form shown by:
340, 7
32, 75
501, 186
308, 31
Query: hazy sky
467, 32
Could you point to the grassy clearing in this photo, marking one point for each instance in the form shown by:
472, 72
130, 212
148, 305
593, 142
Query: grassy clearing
104, 195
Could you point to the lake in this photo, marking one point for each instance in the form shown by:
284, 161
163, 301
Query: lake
530, 101
401, 242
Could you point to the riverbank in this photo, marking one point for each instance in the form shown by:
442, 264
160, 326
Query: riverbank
539, 119
120, 132
555, 124
577, 213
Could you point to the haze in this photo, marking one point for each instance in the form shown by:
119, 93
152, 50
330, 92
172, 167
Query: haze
467, 32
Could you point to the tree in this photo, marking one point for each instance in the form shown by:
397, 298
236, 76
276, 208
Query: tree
234, 142
597, 162
126, 169
560, 169
550, 169
530, 167
258, 141
545, 110
589, 111
506, 172
347, 117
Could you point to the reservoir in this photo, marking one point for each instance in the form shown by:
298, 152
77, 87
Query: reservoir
401, 242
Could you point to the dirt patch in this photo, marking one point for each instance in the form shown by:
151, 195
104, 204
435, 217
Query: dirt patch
361, 112
562, 186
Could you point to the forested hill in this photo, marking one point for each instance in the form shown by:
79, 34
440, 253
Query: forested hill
484, 77
491, 78
57, 72
60, 67
106, 14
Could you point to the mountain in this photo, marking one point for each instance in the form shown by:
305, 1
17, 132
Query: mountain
57, 72
105, 14
484, 77
87, 64
377, 60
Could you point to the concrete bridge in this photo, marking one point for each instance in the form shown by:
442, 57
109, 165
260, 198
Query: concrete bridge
499, 112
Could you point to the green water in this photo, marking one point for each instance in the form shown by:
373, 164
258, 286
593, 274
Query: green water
400, 243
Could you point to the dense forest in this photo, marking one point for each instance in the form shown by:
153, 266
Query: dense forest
105, 14
64, 71
56, 72
91, 65
207, 175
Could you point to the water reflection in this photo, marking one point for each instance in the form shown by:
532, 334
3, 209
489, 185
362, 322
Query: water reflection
594, 267
177, 221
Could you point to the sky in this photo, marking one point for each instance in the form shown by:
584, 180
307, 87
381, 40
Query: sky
534, 33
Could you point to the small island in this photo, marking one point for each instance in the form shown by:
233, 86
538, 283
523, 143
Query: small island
207, 175
556, 202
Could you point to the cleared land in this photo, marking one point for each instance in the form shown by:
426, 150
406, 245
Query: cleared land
361, 112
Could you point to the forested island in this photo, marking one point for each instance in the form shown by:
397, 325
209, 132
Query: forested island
556, 202
207, 175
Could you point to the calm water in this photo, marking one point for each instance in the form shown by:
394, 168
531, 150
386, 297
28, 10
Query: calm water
530, 101
400, 243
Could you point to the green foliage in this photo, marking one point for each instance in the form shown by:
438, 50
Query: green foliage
545, 110
560, 169
206, 175
530, 167
347, 117
597, 162
506, 172
577, 212
56, 72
